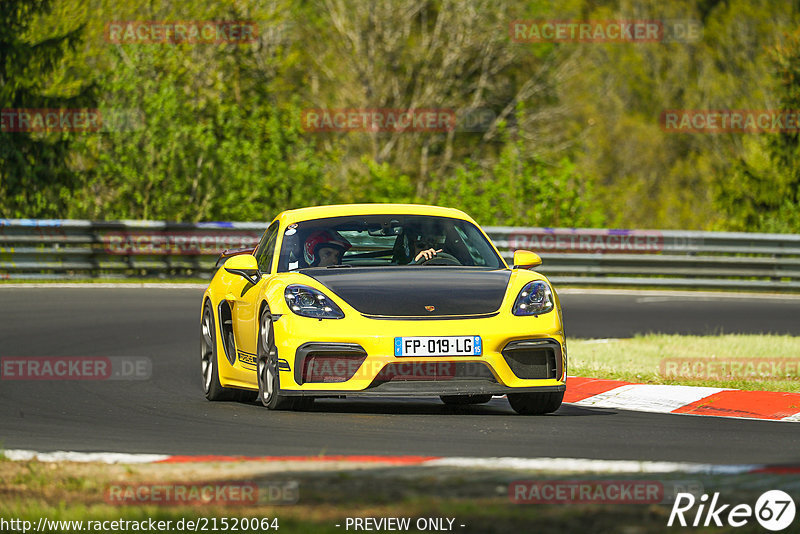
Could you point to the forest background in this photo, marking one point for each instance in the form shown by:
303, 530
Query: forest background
561, 134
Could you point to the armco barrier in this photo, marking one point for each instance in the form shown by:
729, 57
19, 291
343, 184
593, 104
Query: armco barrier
64, 249
34, 248
659, 258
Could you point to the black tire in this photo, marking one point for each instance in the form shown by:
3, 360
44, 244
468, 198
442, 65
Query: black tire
535, 403
269, 382
464, 400
208, 357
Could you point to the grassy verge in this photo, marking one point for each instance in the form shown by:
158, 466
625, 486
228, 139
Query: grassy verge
692, 360
476, 498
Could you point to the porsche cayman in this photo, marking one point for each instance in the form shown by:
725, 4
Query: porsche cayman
381, 300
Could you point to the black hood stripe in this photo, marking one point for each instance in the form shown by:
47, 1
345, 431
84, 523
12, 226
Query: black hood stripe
407, 291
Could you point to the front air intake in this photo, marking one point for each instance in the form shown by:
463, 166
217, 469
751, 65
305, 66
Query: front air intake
535, 358
330, 368
328, 362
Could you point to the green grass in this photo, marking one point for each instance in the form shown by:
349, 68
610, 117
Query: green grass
639, 359
477, 498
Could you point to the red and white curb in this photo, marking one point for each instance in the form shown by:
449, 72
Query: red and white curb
560, 465
687, 400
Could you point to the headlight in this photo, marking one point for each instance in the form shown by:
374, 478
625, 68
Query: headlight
309, 302
534, 299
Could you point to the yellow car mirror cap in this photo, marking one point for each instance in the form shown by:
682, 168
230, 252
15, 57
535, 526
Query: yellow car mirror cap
525, 259
245, 265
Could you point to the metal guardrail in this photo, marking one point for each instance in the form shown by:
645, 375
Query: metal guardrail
731, 260
64, 249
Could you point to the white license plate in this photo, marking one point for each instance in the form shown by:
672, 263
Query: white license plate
438, 346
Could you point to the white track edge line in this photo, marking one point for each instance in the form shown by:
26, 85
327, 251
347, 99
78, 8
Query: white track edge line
84, 457
540, 464
628, 406
583, 465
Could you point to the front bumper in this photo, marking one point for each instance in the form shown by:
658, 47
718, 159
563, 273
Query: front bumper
370, 368
432, 389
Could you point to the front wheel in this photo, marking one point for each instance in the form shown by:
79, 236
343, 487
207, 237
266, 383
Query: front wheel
536, 403
267, 367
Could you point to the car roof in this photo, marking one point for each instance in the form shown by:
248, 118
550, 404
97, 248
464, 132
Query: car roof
321, 212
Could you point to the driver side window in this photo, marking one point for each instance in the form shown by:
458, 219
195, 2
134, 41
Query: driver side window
266, 249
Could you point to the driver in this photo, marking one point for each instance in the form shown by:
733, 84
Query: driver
424, 249
324, 248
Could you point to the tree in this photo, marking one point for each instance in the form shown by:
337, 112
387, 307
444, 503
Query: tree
35, 177
212, 142
764, 191
424, 54
521, 188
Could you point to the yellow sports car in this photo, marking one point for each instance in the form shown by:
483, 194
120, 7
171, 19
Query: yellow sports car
381, 300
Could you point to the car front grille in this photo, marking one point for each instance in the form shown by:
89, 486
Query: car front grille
434, 371
330, 368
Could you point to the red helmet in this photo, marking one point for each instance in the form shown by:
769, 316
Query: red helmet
323, 238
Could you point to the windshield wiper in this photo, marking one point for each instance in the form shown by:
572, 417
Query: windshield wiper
338, 266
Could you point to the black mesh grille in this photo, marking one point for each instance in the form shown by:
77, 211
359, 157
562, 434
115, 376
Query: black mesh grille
328, 362
330, 367
434, 371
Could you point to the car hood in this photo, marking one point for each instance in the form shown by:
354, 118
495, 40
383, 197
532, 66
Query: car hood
410, 291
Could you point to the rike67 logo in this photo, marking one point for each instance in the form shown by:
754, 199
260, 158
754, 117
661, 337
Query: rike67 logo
774, 510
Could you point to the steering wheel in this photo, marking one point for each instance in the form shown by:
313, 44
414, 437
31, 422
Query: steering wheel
441, 258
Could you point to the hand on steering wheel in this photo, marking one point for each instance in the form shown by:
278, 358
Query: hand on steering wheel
436, 259
425, 255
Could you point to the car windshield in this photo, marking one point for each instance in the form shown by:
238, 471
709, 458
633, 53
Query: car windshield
385, 240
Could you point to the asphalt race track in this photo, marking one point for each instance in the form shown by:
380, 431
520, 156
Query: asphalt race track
168, 413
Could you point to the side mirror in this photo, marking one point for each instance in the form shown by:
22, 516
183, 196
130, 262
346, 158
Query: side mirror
525, 259
246, 266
